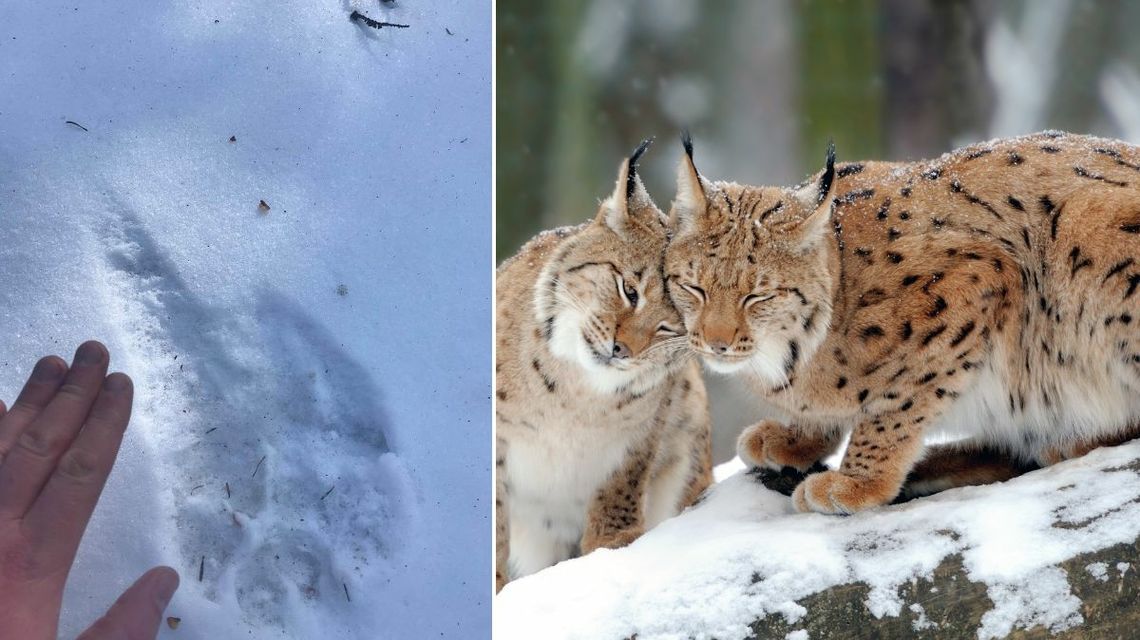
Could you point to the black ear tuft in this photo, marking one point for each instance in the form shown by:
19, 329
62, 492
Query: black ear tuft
631, 176
639, 151
687, 142
828, 173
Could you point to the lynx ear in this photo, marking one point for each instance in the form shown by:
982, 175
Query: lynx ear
629, 193
817, 198
690, 203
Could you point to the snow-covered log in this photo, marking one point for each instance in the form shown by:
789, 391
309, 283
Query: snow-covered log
1049, 554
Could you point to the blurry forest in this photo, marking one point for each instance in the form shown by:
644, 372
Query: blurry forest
763, 85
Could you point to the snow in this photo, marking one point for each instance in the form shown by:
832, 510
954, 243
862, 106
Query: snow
728, 469
921, 622
1098, 570
742, 554
311, 432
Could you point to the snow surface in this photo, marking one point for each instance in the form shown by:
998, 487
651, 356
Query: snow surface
311, 428
742, 554
921, 622
1098, 570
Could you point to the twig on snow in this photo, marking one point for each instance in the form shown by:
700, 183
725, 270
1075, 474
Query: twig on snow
255, 469
375, 24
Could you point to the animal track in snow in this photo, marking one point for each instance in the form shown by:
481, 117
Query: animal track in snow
284, 485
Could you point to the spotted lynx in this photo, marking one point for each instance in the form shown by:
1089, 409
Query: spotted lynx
990, 292
602, 423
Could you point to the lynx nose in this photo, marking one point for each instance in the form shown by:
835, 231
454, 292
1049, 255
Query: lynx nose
719, 346
621, 350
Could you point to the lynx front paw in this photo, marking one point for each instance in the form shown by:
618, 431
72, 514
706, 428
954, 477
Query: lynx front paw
769, 444
611, 540
833, 492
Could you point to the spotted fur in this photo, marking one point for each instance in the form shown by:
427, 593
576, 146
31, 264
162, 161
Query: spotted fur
993, 292
601, 420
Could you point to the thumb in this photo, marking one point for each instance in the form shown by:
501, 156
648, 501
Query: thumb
138, 612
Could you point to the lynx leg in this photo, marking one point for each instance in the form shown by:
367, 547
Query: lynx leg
961, 464
502, 525
772, 445
881, 453
700, 466
887, 442
617, 514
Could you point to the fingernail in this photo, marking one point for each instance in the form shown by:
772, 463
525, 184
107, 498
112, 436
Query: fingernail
47, 370
117, 383
90, 353
165, 585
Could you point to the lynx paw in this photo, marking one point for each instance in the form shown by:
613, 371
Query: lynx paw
769, 444
613, 540
833, 492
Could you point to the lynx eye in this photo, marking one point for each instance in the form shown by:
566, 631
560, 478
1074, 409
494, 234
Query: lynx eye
754, 298
631, 295
627, 292
696, 291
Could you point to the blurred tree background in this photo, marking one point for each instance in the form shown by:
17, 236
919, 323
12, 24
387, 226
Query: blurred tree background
763, 84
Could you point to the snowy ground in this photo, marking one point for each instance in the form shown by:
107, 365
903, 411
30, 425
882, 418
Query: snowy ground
743, 554
310, 447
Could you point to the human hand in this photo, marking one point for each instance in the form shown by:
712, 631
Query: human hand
57, 446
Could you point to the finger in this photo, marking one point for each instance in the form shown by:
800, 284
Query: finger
38, 390
61, 512
27, 466
138, 612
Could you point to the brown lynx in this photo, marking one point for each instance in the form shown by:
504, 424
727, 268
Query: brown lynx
602, 424
990, 292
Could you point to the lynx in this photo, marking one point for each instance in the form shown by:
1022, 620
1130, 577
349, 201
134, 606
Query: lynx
602, 423
990, 293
